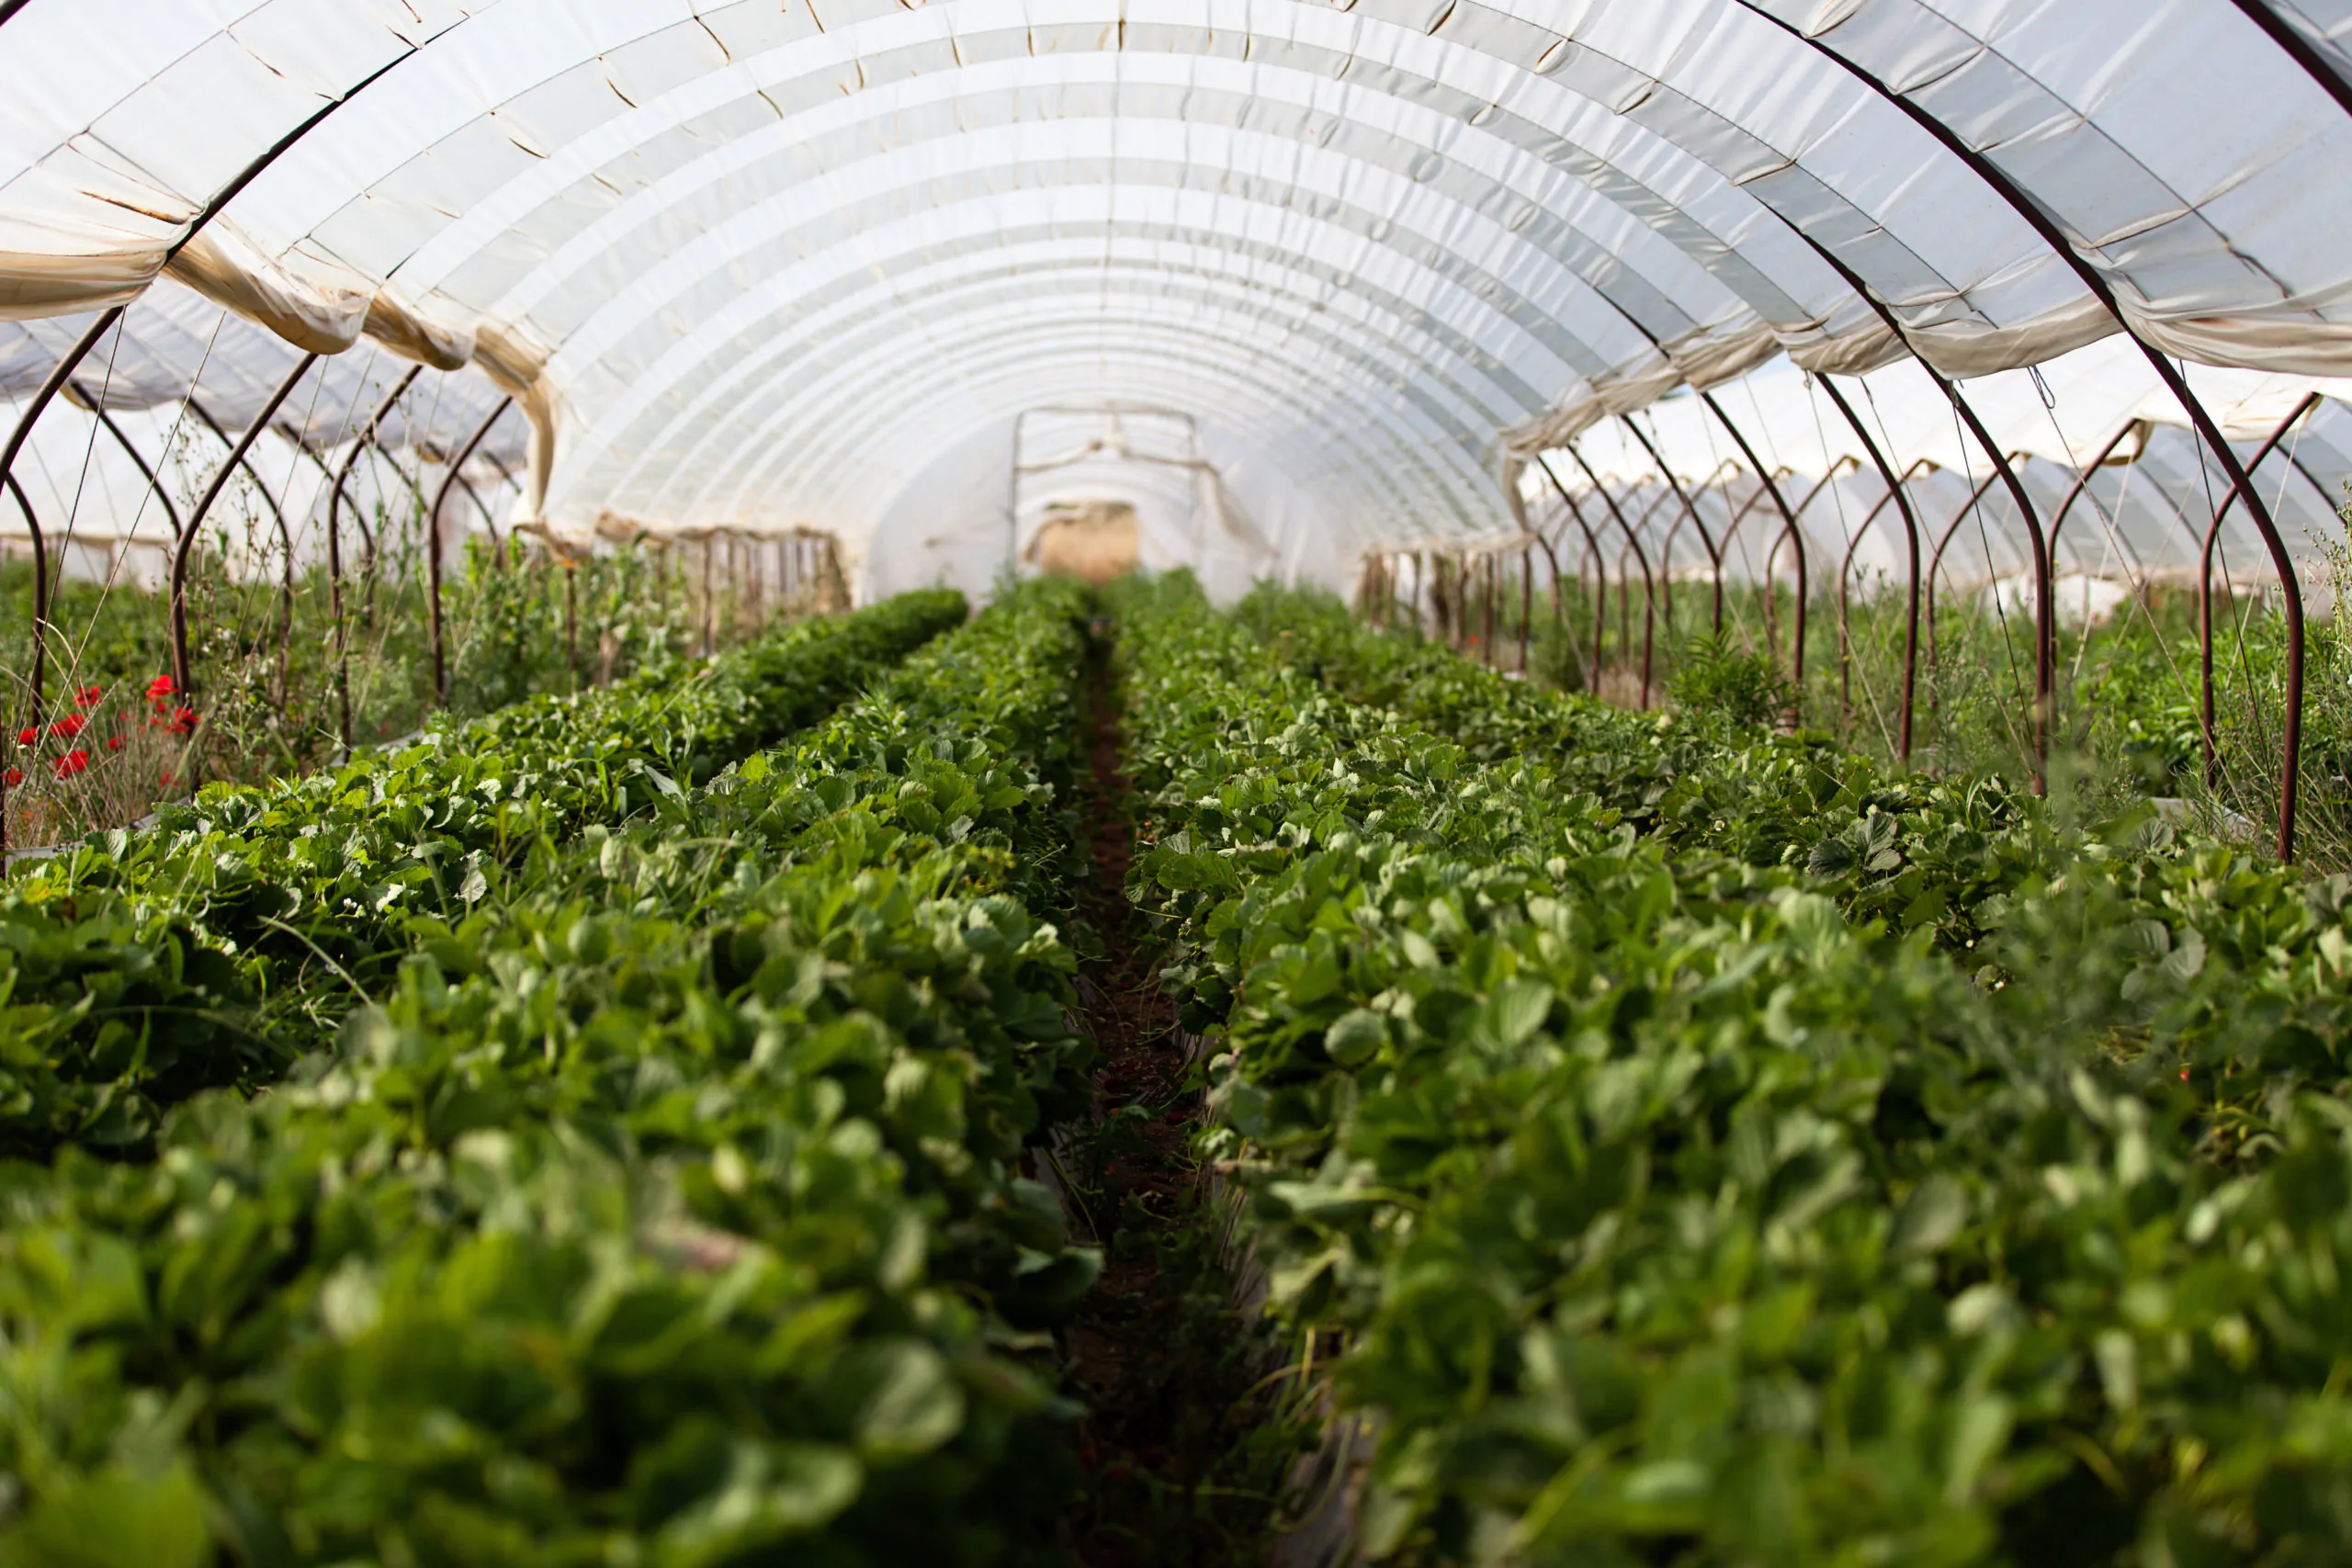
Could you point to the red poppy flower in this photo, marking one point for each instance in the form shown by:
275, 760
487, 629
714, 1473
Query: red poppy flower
69, 726
167, 778
83, 697
183, 721
15, 777
75, 762
27, 737
160, 686
114, 742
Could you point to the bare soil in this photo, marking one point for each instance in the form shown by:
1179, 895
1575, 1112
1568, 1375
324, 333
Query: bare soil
1157, 1353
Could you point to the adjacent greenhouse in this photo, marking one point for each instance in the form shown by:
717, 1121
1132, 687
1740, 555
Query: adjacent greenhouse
1151, 781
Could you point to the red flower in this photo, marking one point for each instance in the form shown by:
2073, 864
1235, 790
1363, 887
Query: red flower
183, 721
73, 761
167, 778
15, 777
69, 726
27, 737
160, 686
114, 742
85, 695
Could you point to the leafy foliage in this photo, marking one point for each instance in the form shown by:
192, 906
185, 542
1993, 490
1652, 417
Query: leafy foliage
249, 914
669, 1210
1688, 1189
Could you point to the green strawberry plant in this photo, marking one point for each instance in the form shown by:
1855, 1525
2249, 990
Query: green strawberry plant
669, 1207
141, 967
1676, 1204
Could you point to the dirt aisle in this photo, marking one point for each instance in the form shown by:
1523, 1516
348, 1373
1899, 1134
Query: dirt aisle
1174, 1439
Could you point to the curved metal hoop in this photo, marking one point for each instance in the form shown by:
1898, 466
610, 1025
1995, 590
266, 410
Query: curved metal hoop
1649, 584
1902, 497
433, 551
182, 674
2290, 588
2205, 582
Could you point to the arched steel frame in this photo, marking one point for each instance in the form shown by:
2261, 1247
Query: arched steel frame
182, 675
1900, 493
147, 470
240, 455
433, 551
364, 442
1649, 585
2209, 432
1723, 470
59, 375
96, 330
1690, 514
1911, 543
1600, 577
1936, 557
1789, 530
2242, 486
1657, 594
2082, 482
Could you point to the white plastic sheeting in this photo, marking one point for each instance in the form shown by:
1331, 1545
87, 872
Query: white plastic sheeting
2142, 516
762, 263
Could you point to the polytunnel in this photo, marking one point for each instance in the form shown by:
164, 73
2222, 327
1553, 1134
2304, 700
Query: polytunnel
1168, 783
765, 268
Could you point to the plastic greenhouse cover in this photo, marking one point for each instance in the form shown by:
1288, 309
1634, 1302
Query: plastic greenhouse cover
766, 263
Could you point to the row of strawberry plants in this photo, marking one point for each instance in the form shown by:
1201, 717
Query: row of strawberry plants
672, 1215
1669, 1214
140, 967
2249, 951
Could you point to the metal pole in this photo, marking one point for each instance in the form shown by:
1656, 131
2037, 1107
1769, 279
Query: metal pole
182, 674
433, 552
1600, 577
2205, 582
1649, 587
1729, 466
1492, 573
1690, 512
1788, 518
146, 470
48, 389
1911, 546
709, 603
2083, 480
1845, 575
1526, 602
365, 440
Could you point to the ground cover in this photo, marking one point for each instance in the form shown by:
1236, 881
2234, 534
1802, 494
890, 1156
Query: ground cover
1669, 1211
671, 1214
225, 942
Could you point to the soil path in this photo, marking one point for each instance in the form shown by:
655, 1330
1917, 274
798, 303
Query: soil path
1156, 1354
